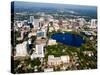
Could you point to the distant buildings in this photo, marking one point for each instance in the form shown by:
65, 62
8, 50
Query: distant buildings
31, 19
81, 21
93, 23
48, 18
35, 22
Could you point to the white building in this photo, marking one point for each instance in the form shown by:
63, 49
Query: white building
18, 24
36, 23
93, 23
31, 19
39, 52
21, 49
81, 21
52, 42
48, 70
51, 29
41, 19
65, 59
54, 60
58, 60
89, 53
29, 41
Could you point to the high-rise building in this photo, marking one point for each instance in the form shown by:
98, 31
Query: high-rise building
93, 23
36, 23
31, 19
39, 51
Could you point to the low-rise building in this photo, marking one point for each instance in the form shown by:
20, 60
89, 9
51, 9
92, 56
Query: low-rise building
21, 49
89, 53
48, 70
52, 42
41, 33
58, 60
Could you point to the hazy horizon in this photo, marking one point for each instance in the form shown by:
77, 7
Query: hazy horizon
52, 5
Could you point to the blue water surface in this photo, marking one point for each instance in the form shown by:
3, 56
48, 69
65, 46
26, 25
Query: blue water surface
68, 39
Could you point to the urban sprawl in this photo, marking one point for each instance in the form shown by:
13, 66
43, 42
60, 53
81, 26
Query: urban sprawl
34, 49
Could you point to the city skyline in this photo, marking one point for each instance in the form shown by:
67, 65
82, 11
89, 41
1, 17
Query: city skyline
53, 37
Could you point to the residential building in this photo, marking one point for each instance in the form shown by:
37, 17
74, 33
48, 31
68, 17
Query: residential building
58, 60
21, 49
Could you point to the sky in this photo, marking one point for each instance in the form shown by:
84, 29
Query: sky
54, 5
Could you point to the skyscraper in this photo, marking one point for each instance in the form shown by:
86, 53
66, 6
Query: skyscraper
93, 23
31, 19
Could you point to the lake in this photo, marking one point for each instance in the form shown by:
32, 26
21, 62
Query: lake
68, 39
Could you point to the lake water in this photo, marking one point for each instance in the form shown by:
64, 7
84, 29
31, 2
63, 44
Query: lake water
68, 39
